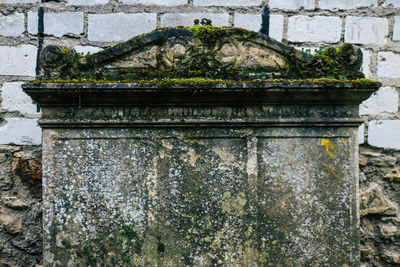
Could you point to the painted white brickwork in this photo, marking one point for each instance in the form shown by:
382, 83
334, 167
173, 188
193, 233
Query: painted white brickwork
346, 4
396, 29
19, 1
19, 60
366, 70
187, 19
386, 100
393, 3
314, 29
14, 99
227, 2
20, 131
119, 26
366, 30
385, 133
12, 25
292, 4
253, 22
87, 2
57, 24
388, 65
361, 133
156, 2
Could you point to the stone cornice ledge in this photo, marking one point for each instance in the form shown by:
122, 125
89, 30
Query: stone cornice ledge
148, 93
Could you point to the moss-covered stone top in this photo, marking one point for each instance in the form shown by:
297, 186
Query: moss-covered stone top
206, 52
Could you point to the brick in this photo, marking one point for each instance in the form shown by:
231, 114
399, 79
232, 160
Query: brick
346, 4
19, 1
57, 24
12, 25
388, 65
20, 131
87, 49
391, 3
366, 30
365, 69
292, 4
86, 2
119, 26
227, 2
20, 60
361, 132
187, 19
385, 100
384, 134
314, 29
253, 22
14, 99
396, 29
156, 2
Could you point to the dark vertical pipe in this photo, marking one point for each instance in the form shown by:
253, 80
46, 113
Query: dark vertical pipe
40, 42
265, 21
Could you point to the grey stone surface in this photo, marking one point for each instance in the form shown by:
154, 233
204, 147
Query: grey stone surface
179, 183
235, 196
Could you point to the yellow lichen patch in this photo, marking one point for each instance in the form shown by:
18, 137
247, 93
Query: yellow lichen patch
343, 141
330, 171
328, 147
18, 154
232, 205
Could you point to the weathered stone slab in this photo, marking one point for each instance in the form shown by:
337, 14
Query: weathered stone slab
200, 197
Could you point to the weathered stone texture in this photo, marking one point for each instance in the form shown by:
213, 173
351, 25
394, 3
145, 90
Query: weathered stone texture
20, 209
119, 27
366, 30
314, 29
180, 213
380, 236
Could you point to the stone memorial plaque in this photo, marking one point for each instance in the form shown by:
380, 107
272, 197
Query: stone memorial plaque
175, 171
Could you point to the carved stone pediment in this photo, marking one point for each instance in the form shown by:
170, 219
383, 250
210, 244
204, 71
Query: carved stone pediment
200, 51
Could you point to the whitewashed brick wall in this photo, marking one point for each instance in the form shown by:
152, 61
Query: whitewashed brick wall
90, 25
